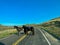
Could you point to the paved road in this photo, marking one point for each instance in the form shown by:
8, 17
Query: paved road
11, 39
37, 39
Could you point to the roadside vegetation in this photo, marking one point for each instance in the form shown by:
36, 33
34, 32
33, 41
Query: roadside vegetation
52, 27
6, 31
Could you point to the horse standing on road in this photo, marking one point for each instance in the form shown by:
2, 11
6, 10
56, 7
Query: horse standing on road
28, 28
18, 29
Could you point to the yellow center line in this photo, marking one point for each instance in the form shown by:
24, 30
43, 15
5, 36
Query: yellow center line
20, 39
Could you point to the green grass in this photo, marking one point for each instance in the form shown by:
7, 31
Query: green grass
53, 30
7, 33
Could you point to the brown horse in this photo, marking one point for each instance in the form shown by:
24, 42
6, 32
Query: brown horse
18, 29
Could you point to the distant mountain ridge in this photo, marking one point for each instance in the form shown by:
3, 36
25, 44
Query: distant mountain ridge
56, 19
2, 27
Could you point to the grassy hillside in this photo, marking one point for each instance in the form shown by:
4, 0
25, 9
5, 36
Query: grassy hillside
52, 27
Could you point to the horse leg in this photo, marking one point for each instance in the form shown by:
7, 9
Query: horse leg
25, 31
18, 33
32, 32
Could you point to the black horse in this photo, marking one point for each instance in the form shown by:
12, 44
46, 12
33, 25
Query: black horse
28, 28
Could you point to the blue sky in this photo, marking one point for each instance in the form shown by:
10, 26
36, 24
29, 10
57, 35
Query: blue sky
19, 12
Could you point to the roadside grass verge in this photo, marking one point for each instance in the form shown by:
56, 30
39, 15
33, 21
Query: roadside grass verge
6, 33
52, 27
54, 31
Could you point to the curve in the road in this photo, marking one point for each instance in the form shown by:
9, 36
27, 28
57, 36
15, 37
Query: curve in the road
45, 38
37, 39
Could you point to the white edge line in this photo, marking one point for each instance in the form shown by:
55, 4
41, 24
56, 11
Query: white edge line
45, 37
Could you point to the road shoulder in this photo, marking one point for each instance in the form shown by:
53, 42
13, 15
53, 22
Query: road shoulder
52, 39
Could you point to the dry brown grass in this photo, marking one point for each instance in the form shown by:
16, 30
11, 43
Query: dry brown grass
6, 33
52, 27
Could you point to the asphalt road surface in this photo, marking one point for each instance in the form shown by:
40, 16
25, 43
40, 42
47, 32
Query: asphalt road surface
10, 39
37, 39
